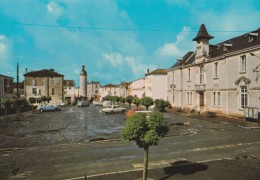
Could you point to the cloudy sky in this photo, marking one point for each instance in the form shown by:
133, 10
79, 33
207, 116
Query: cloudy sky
117, 40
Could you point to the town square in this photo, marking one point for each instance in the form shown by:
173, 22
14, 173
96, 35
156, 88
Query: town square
113, 89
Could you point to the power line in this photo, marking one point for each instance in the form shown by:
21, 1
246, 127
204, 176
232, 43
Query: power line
118, 29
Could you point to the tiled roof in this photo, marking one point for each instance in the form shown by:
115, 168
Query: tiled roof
44, 73
231, 45
235, 44
110, 85
158, 71
5, 76
203, 33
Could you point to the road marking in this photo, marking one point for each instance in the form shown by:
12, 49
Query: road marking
158, 163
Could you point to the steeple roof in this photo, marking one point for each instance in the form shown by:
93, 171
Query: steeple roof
203, 33
83, 71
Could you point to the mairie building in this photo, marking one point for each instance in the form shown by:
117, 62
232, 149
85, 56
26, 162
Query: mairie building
223, 78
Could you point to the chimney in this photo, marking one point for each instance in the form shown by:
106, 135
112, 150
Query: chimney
148, 71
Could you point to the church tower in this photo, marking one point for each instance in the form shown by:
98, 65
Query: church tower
83, 83
202, 46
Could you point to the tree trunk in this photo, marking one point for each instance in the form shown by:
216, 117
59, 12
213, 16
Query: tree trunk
6, 111
146, 152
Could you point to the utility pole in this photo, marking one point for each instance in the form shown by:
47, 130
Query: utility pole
17, 84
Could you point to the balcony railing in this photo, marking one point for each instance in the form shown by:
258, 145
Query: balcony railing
200, 87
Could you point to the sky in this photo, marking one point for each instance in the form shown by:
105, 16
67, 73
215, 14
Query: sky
117, 40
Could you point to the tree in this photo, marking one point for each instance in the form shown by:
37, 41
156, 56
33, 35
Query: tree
147, 102
18, 102
129, 99
32, 100
136, 101
145, 131
122, 100
48, 99
7, 104
160, 105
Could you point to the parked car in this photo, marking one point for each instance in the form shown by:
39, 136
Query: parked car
47, 107
132, 110
62, 104
106, 103
83, 104
113, 109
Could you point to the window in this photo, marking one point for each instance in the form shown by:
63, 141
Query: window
189, 74
201, 75
189, 97
34, 91
172, 76
216, 99
243, 63
96, 91
35, 82
215, 70
243, 94
173, 96
52, 91
40, 92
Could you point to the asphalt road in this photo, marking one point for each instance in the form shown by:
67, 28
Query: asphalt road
61, 145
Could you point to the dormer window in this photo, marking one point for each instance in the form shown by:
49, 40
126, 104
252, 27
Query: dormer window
227, 46
251, 36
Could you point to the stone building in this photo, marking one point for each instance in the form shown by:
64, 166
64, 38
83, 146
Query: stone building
93, 89
45, 82
120, 90
6, 86
69, 91
223, 78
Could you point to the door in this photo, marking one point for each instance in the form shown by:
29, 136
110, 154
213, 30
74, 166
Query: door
201, 99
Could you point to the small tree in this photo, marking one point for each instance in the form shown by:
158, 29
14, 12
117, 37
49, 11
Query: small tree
32, 100
145, 131
129, 99
7, 104
160, 105
48, 99
147, 102
18, 102
123, 100
136, 101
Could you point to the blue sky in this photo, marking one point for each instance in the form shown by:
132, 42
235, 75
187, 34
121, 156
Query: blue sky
117, 40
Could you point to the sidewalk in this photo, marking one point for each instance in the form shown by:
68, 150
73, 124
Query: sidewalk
218, 169
218, 119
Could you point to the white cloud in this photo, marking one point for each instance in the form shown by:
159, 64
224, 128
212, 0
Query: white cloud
115, 59
177, 48
5, 53
54, 8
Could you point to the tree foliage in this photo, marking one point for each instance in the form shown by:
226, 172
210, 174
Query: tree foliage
145, 131
147, 102
129, 99
122, 100
136, 101
161, 104
7, 102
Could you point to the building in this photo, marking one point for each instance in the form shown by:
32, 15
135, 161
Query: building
20, 89
6, 86
83, 82
221, 78
156, 84
121, 90
69, 91
93, 89
45, 82
137, 88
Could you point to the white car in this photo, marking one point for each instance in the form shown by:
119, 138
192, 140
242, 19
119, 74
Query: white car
113, 109
46, 107
106, 103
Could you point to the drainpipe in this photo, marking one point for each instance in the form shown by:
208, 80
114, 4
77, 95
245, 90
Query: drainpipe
181, 89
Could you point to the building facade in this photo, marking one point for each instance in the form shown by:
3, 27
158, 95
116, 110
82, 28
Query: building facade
222, 78
121, 90
93, 89
45, 82
137, 88
69, 91
6, 86
156, 84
